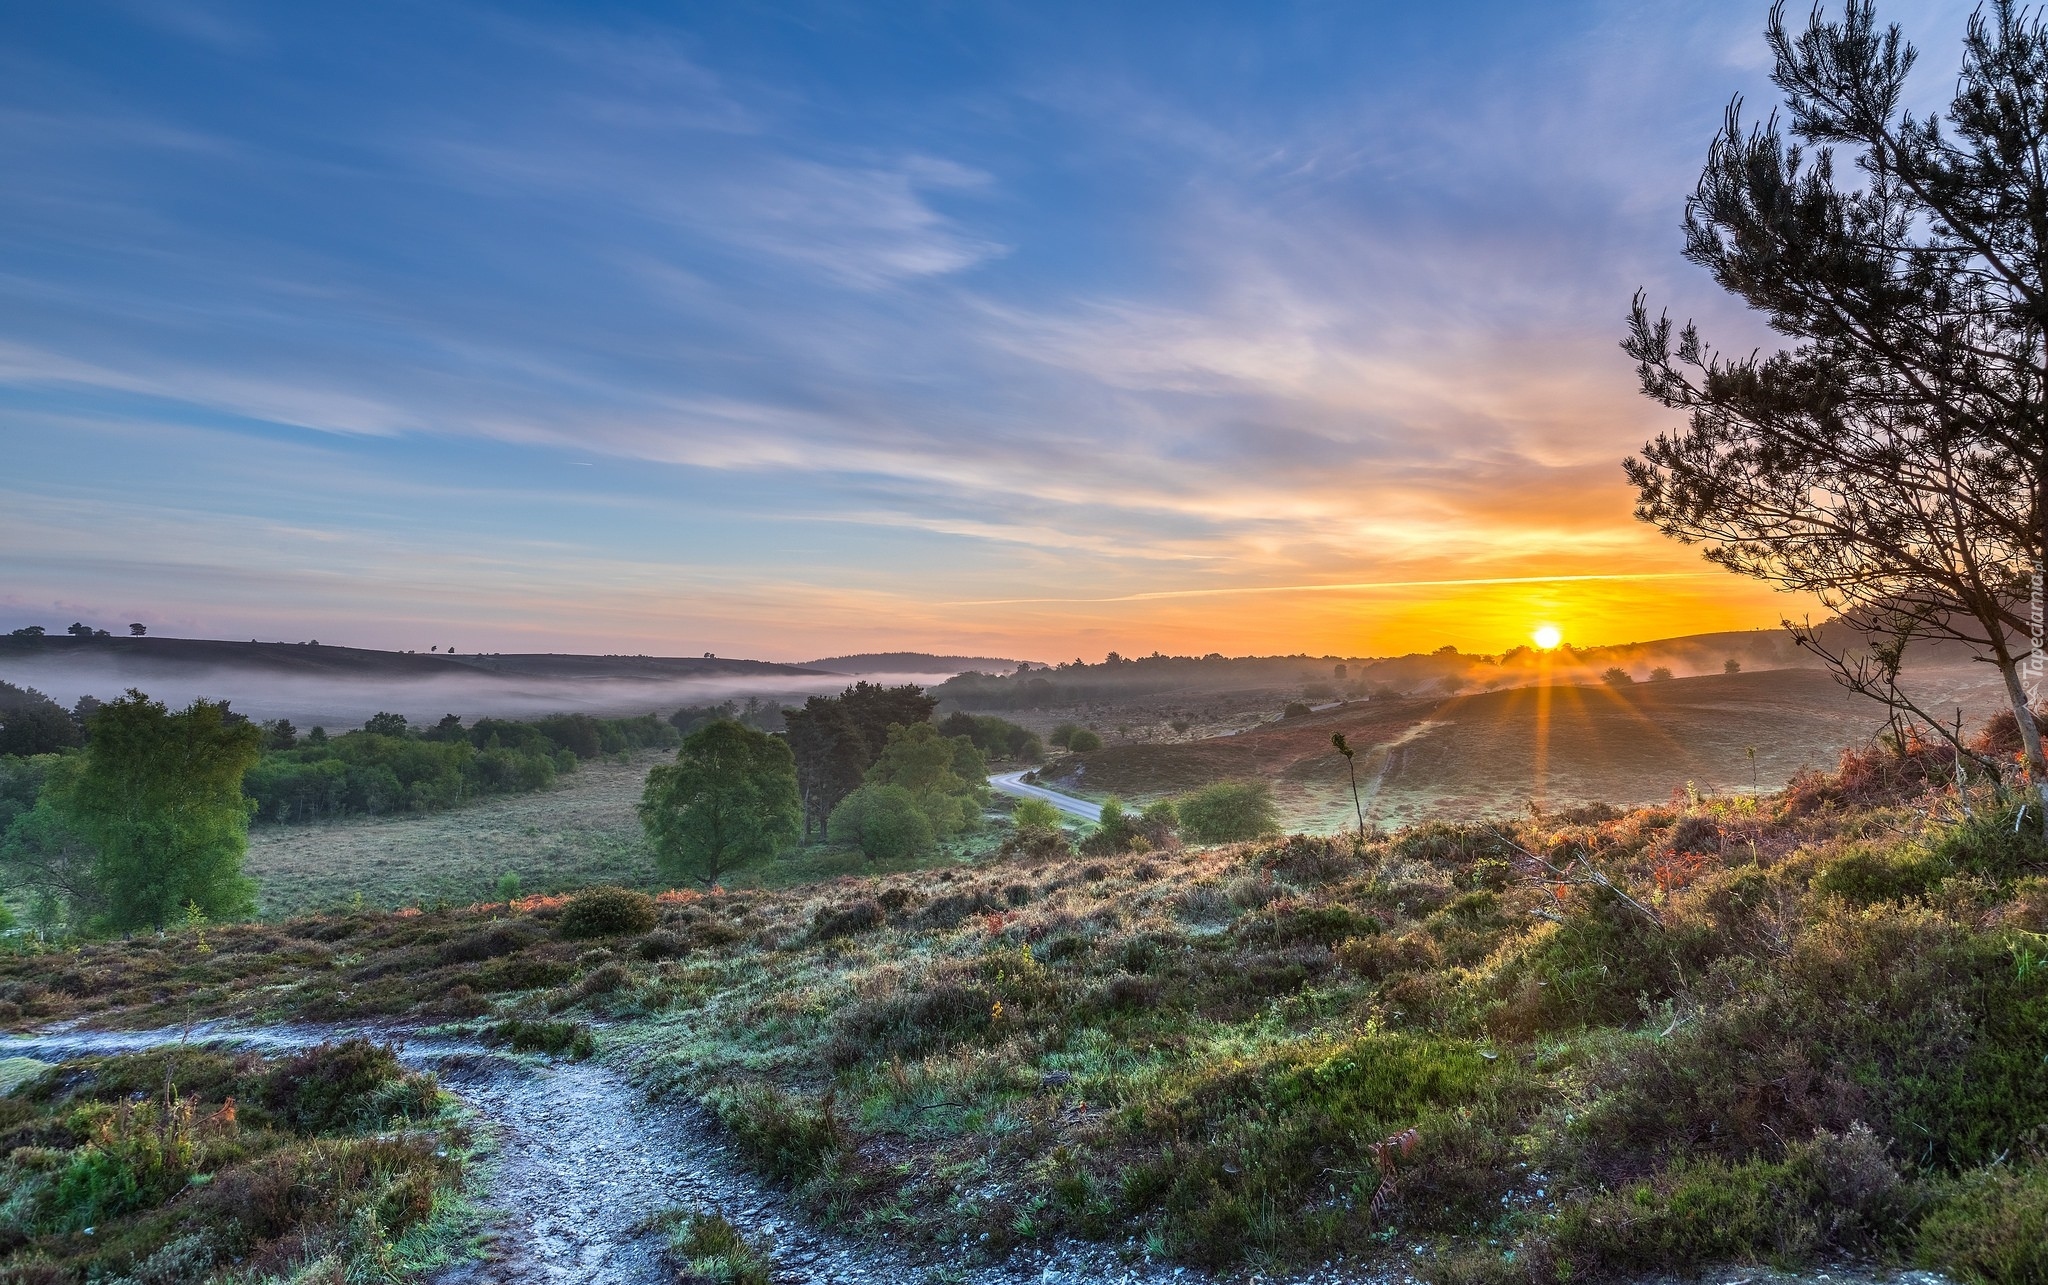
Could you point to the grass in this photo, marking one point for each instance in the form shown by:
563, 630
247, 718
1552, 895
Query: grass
582, 831
1722, 1030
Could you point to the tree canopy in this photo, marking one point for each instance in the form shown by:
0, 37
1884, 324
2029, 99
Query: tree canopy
836, 738
150, 820
730, 798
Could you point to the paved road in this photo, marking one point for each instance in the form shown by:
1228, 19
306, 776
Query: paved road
1012, 784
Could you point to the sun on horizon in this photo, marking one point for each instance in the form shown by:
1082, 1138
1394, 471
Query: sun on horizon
1548, 637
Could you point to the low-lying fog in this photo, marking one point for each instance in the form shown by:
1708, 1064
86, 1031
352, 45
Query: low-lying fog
338, 704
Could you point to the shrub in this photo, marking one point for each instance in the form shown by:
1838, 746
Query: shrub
1228, 811
335, 1087
1992, 1227
1995, 845
854, 917
606, 912
1866, 876
884, 822
1084, 741
527, 1036
1252, 1143
662, 944
779, 1133
1035, 814
1832, 1193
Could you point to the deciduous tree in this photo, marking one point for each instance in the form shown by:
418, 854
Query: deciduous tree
730, 798
159, 802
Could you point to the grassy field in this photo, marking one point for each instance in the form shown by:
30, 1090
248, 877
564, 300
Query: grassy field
1492, 753
581, 832
1801, 1028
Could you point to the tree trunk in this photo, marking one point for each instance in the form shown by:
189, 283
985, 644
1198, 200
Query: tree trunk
2030, 735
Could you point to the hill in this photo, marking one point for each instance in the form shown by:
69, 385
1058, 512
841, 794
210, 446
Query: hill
312, 683
912, 662
1491, 753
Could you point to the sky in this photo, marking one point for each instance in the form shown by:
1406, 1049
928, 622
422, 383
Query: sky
797, 329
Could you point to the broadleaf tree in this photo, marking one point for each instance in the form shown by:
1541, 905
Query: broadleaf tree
728, 800
1893, 463
159, 803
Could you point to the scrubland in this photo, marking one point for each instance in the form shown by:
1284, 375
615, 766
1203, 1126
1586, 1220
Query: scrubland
1581, 1045
188, 1164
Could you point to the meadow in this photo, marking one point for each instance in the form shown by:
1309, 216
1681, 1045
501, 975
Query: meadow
1597, 1044
582, 830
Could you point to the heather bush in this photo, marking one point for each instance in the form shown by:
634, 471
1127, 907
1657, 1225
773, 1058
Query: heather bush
606, 912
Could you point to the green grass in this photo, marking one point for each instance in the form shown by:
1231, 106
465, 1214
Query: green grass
579, 832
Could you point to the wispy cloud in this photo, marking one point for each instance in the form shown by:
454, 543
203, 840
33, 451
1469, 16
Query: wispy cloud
1057, 317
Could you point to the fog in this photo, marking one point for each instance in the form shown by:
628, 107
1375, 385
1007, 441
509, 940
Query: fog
314, 700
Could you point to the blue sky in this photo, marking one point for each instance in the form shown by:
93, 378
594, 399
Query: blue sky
786, 330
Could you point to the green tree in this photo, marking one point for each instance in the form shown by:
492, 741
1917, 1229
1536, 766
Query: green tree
383, 724
946, 776
729, 798
159, 801
1084, 741
40, 852
831, 756
884, 822
32, 723
1227, 812
875, 709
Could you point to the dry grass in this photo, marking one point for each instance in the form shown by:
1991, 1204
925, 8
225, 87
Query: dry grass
1485, 754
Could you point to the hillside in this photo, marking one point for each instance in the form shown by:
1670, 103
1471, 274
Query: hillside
1806, 1029
912, 662
1491, 753
316, 684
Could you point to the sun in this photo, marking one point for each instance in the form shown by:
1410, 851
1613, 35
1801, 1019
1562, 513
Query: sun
1548, 637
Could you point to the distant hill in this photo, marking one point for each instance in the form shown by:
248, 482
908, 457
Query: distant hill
911, 662
311, 683
176, 655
